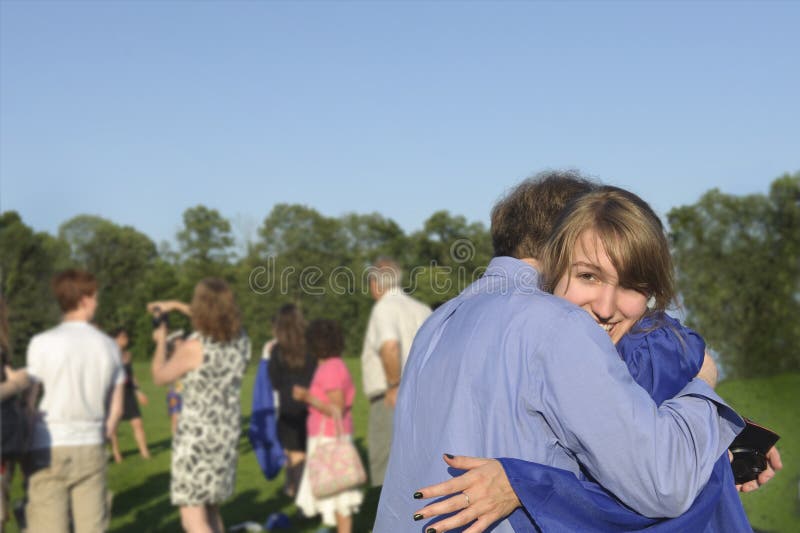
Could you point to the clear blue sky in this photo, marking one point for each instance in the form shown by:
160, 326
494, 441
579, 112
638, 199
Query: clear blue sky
137, 110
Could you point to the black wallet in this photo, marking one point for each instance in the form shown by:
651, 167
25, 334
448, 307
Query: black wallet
749, 451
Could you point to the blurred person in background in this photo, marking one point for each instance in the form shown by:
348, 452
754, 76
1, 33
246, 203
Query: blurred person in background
330, 395
290, 364
393, 323
14, 437
210, 364
79, 368
174, 401
131, 399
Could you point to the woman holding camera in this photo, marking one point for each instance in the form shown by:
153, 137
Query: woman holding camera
210, 365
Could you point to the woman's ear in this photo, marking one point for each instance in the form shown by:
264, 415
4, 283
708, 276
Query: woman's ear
651, 302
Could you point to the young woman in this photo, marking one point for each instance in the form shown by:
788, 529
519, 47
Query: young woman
290, 364
608, 254
131, 400
210, 365
331, 394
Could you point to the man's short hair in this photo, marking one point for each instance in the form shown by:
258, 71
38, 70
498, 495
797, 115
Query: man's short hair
70, 286
386, 273
523, 219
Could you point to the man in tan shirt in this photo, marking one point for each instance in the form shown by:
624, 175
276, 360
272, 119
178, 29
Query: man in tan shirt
393, 323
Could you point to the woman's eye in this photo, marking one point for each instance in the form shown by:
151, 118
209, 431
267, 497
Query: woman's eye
587, 276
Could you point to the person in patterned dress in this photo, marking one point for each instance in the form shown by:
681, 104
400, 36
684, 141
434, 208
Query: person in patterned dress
210, 364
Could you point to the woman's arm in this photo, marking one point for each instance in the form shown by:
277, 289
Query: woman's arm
334, 404
166, 306
188, 356
115, 410
16, 381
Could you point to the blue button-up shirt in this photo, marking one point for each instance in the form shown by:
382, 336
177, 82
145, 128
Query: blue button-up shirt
506, 370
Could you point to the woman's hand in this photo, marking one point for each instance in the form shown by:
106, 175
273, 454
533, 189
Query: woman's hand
300, 393
160, 334
482, 495
142, 398
773, 464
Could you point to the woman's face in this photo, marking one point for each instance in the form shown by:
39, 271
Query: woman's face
122, 340
591, 282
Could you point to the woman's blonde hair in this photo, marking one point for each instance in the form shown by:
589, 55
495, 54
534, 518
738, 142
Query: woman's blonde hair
214, 311
633, 238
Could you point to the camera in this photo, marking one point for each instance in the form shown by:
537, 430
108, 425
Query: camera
159, 318
749, 451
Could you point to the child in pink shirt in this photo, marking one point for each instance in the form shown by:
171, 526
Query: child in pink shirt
331, 390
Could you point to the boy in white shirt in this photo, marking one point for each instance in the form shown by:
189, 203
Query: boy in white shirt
79, 367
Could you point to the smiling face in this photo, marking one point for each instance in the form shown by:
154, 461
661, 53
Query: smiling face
592, 283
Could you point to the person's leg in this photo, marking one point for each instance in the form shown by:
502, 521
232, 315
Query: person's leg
295, 457
48, 498
344, 524
87, 482
174, 422
194, 519
115, 448
141, 439
294, 470
215, 518
379, 438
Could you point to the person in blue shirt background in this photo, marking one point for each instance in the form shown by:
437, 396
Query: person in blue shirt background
661, 355
505, 369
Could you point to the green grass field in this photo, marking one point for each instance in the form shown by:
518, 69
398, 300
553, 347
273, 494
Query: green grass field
141, 488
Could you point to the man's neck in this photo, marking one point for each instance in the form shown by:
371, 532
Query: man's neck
532, 262
390, 290
77, 315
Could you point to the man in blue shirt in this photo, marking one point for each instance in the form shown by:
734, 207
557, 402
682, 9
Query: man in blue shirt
505, 369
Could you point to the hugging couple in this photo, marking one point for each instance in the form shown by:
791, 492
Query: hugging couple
591, 428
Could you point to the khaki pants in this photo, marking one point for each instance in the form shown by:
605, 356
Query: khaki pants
64, 477
379, 440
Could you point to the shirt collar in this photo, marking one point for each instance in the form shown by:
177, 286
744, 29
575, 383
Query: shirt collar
520, 273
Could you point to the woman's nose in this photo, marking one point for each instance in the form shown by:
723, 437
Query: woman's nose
604, 305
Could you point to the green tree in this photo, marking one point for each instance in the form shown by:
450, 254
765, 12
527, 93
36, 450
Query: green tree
121, 258
739, 275
205, 244
298, 252
27, 263
449, 253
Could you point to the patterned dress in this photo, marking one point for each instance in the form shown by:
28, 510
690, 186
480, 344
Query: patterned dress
204, 449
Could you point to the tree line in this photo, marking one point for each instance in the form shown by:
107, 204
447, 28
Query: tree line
738, 262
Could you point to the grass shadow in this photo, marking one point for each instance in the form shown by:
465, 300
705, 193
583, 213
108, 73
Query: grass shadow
147, 505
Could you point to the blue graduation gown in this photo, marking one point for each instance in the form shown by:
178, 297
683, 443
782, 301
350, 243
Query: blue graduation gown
263, 433
662, 355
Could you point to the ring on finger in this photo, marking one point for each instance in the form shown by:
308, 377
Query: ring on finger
467, 497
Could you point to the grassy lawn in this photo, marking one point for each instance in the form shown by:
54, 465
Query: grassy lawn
775, 403
141, 488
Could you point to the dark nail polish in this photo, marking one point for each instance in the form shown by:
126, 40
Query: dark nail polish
430, 530
450, 456
418, 517
418, 495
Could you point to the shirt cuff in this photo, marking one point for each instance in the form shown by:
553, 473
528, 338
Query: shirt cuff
731, 424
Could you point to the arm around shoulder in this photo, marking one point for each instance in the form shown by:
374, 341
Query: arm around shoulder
708, 372
655, 459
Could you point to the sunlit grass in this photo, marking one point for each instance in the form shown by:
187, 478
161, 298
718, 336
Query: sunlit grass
141, 487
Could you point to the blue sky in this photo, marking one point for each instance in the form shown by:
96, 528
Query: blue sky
137, 110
